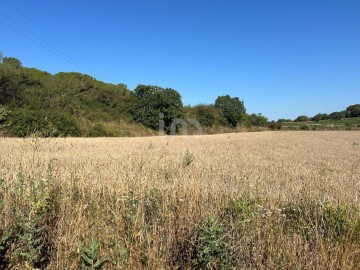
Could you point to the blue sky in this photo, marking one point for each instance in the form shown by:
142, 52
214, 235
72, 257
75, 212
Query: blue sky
284, 58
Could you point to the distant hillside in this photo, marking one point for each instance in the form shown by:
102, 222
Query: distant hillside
34, 102
65, 104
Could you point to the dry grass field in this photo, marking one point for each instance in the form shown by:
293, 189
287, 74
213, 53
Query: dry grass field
267, 200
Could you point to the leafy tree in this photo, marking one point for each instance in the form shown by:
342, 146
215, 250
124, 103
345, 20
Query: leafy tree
275, 125
12, 62
257, 120
353, 110
4, 113
283, 120
26, 122
208, 115
319, 117
302, 118
151, 101
232, 108
337, 115
12, 82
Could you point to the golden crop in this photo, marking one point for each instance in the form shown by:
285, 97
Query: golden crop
279, 198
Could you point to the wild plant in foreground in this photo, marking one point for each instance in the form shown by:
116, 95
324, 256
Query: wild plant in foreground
90, 256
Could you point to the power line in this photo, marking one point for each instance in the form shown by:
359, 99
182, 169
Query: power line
40, 45
48, 44
59, 40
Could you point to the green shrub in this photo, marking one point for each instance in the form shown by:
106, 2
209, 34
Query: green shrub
211, 251
24, 123
188, 158
90, 256
31, 243
335, 221
5, 237
299, 218
275, 125
304, 127
97, 131
243, 209
302, 118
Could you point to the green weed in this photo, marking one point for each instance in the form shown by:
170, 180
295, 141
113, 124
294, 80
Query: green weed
211, 251
90, 256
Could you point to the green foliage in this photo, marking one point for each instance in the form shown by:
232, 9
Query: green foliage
304, 127
65, 104
299, 220
335, 220
353, 111
208, 115
11, 62
5, 237
188, 158
242, 209
153, 101
4, 114
153, 203
211, 251
302, 118
336, 115
130, 215
282, 120
24, 123
257, 120
90, 256
355, 227
31, 240
98, 131
320, 116
232, 108
275, 125
12, 84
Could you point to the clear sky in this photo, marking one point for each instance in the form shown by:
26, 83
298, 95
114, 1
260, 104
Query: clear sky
284, 58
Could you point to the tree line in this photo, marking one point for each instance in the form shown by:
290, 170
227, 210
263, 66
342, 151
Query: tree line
75, 104
349, 112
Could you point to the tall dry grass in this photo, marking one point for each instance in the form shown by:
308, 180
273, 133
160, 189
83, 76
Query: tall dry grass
269, 200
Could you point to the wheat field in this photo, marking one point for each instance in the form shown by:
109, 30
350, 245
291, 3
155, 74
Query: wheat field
264, 200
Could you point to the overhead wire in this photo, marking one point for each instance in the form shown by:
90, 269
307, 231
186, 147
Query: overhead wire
54, 50
65, 57
39, 44
59, 40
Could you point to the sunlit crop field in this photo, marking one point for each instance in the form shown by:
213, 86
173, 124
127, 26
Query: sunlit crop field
263, 200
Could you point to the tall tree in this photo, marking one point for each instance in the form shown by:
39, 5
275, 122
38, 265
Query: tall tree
233, 109
11, 61
155, 103
353, 110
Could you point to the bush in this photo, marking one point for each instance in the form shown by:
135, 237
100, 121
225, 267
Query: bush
90, 256
153, 101
304, 127
188, 158
302, 118
211, 251
243, 209
23, 123
335, 220
257, 120
97, 131
275, 125
208, 115
233, 109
